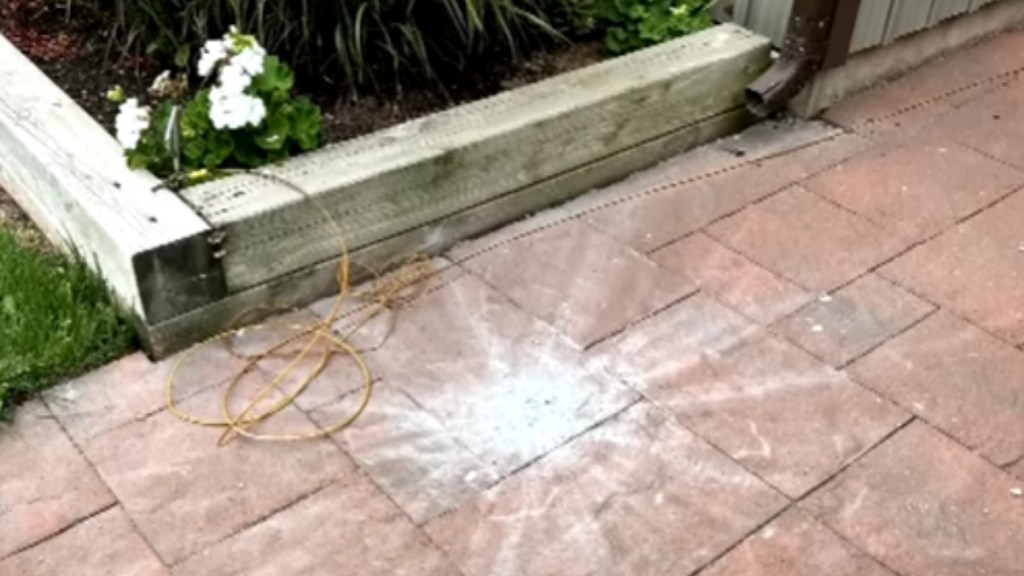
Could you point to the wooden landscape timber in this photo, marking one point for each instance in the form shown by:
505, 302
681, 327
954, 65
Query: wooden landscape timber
187, 267
69, 175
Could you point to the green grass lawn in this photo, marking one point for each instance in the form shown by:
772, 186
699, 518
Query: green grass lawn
56, 320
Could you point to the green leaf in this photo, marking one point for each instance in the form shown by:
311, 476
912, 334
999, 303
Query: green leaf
182, 56
246, 152
197, 113
194, 150
220, 145
276, 78
306, 124
275, 130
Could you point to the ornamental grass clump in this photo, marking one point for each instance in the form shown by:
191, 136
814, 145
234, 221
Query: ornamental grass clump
357, 46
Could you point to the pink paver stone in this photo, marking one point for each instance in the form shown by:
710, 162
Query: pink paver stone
916, 100
581, 281
651, 354
103, 544
683, 199
782, 414
171, 477
408, 453
45, 484
359, 321
1017, 471
991, 124
763, 176
925, 506
919, 190
675, 171
134, 387
639, 495
975, 269
957, 377
654, 220
650, 221
506, 385
807, 240
796, 545
841, 326
346, 529
733, 279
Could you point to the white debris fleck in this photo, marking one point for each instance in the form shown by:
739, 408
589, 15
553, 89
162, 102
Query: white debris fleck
1017, 492
470, 477
825, 298
817, 328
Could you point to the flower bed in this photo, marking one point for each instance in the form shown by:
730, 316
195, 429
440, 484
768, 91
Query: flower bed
88, 46
187, 265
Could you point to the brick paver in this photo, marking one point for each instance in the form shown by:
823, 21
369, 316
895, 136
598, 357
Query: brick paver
841, 326
991, 124
103, 544
809, 364
733, 279
796, 545
133, 388
959, 378
807, 240
954, 75
771, 407
186, 493
45, 484
639, 495
975, 269
409, 453
925, 506
580, 281
346, 528
920, 189
507, 386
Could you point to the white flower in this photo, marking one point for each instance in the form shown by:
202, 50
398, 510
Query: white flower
212, 53
130, 123
251, 59
256, 111
232, 110
233, 78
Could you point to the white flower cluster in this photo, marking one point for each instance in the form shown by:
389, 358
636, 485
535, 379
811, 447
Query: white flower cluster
131, 120
239, 59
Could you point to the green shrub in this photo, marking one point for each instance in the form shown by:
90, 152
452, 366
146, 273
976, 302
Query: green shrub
356, 43
635, 24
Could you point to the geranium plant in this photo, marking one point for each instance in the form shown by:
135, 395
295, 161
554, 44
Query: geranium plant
247, 118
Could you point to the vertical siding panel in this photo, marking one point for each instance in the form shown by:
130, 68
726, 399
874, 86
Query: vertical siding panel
770, 17
943, 9
870, 26
741, 13
907, 16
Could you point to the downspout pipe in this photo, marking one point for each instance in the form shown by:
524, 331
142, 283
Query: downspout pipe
803, 51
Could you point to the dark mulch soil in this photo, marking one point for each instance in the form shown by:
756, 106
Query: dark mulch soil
75, 52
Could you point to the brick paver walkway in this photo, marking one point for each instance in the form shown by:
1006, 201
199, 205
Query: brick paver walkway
809, 366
